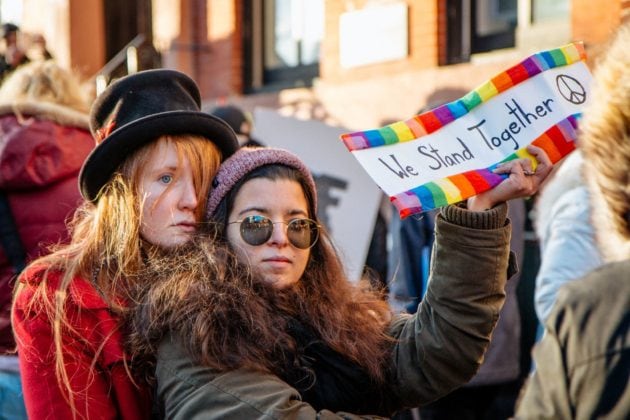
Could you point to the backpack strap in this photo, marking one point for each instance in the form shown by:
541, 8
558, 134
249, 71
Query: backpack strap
9, 237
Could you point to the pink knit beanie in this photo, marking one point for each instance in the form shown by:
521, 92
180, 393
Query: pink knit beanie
245, 160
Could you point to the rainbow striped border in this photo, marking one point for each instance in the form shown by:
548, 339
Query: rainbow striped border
430, 121
557, 142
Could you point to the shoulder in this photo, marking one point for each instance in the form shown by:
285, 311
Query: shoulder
187, 389
591, 314
39, 153
59, 114
607, 283
81, 293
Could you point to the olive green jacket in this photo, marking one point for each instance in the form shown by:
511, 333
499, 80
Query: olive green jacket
583, 360
437, 350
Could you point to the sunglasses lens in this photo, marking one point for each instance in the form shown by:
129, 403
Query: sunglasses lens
256, 230
302, 233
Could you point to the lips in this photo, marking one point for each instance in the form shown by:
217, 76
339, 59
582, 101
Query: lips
278, 259
187, 226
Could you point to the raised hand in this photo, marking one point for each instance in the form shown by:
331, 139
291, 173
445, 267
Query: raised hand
523, 180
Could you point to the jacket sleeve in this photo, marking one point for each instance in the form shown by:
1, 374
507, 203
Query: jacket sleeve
43, 396
187, 390
442, 346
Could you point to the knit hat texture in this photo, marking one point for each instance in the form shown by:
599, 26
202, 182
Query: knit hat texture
244, 161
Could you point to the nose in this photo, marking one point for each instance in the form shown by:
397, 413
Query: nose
279, 235
189, 196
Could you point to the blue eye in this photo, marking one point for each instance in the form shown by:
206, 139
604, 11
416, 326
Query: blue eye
166, 179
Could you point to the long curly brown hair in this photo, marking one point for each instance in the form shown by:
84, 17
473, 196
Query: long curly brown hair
230, 318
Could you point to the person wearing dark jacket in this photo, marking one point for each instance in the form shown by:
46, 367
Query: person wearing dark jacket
44, 138
13, 55
240, 122
582, 363
259, 319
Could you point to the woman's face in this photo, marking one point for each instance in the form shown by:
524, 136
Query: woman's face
169, 198
280, 200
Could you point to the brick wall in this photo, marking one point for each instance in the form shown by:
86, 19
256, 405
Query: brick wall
208, 47
222, 59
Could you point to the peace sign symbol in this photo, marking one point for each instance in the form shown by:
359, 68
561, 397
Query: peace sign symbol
570, 89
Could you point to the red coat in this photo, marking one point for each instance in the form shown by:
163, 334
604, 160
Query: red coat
94, 357
41, 152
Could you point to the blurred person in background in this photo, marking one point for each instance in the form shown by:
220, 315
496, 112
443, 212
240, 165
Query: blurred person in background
239, 121
38, 49
44, 139
582, 363
13, 55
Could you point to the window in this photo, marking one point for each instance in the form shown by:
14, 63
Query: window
477, 26
284, 42
493, 25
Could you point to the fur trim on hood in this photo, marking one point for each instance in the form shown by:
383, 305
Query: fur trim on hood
46, 111
605, 142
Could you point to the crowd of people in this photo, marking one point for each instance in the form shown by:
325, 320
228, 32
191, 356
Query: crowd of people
157, 261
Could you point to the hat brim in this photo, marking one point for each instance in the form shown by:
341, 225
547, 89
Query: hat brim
105, 159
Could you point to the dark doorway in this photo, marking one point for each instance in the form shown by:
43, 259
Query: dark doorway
124, 21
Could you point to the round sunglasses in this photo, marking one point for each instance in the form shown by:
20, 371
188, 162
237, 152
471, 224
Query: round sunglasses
256, 230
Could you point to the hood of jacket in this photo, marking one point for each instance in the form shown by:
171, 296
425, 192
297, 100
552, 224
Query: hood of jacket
605, 141
40, 144
567, 176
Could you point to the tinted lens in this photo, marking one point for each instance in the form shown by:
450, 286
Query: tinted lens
256, 230
302, 233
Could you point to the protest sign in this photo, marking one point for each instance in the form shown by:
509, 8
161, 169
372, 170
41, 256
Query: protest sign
348, 199
448, 154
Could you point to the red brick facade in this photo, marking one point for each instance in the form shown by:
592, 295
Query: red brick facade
204, 38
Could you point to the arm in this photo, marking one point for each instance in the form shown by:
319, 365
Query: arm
442, 346
190, 391
43, 394
93, 357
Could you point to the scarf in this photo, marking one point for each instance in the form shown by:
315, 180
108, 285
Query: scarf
328, 380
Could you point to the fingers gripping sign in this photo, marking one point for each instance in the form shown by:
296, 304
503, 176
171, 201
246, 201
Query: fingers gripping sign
524, 177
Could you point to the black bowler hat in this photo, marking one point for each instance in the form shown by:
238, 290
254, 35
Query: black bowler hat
138, 109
